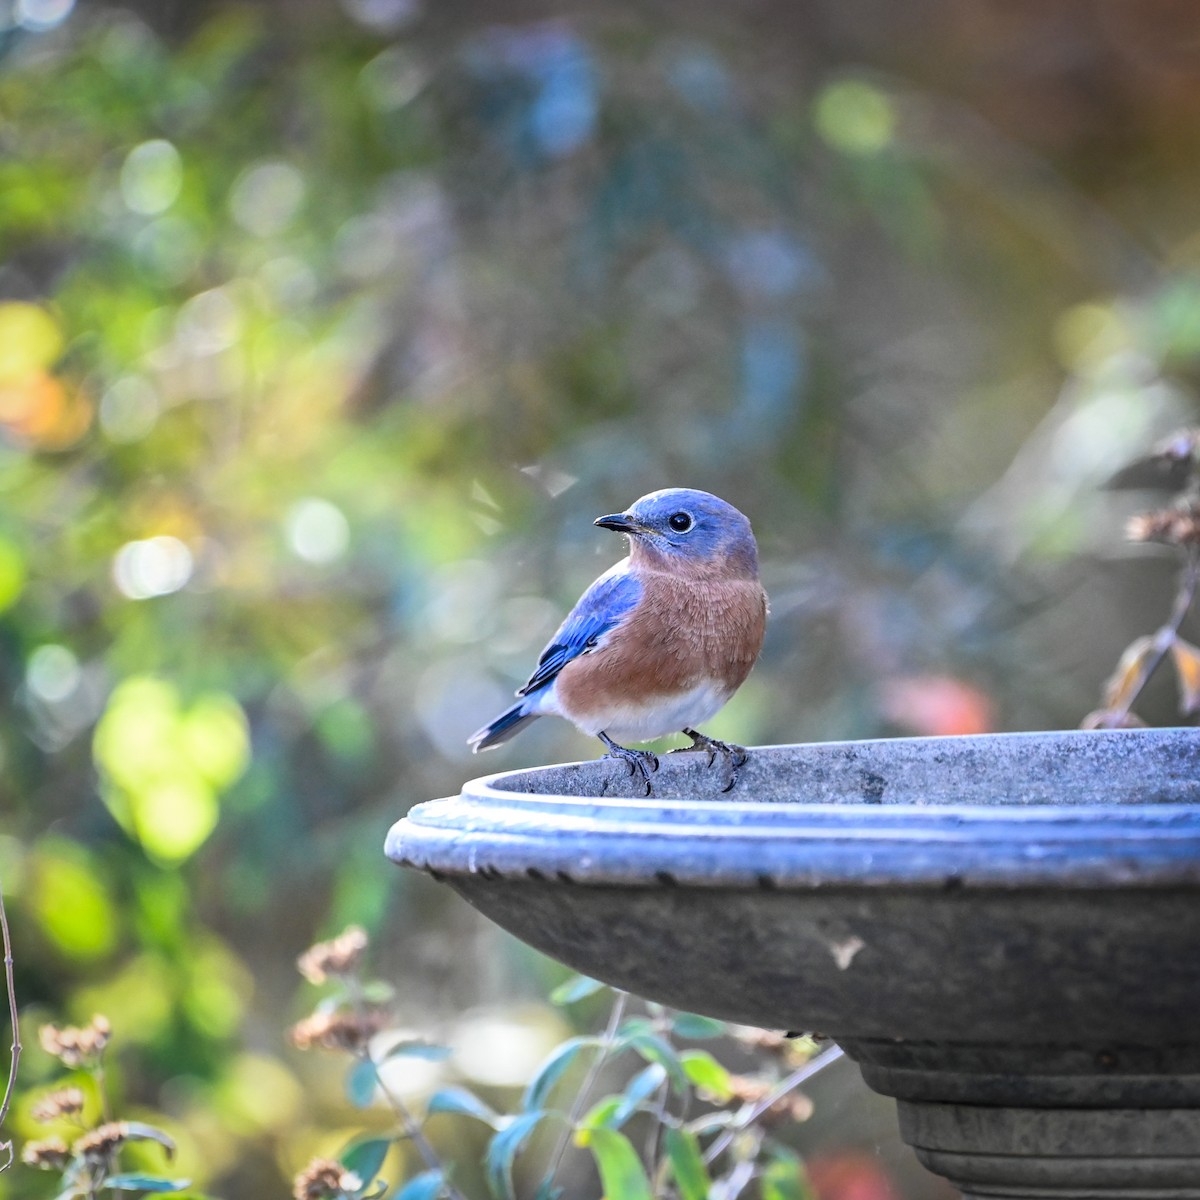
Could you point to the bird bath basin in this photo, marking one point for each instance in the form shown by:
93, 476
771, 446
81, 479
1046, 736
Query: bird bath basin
1003, 931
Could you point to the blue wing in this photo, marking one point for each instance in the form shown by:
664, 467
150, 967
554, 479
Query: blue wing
600, 609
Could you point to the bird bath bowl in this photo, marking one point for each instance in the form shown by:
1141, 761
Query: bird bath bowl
1003, 931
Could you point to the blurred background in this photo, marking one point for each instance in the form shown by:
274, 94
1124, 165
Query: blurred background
327, 328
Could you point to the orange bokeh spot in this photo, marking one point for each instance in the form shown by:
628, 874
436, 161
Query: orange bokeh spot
849, 1176
39, 410
936, 705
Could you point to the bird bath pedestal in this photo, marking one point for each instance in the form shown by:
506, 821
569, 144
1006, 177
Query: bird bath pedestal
1003, 931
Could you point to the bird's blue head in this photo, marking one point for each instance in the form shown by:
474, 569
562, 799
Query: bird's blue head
687, 527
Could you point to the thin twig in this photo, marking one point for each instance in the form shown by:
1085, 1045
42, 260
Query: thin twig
606, 1043
412, 1130
1164, 637
409, 1125
10, 1088
777, 1093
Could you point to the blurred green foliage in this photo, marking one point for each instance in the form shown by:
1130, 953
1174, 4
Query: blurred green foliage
324, 333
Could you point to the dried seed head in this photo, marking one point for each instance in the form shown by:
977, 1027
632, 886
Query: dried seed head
99, 1145
324, 1179
66, 1102
339, 956
48, 1154
1106, 718
791, 1107
74, 1046
763, 1039
1173, 526
337, 1030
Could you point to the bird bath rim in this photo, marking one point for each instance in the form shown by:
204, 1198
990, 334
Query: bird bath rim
930, 835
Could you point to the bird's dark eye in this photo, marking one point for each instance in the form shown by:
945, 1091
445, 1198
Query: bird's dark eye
681, 522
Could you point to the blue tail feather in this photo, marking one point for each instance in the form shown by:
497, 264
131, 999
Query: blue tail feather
502, 728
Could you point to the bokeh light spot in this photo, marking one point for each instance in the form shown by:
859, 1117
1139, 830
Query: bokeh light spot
266, 197
53, 673
502, 1048
174, 817
393, 78
168, 763
71, 902
855, 117
151, 567
216, 738
129, 409
209, 322
260, 1093
383, 16
169, 248
151, 177
1087, 336
38, 16
30, 340
317, 531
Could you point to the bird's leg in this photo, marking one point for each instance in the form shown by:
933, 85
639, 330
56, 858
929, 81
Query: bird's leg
639, 762
734, 755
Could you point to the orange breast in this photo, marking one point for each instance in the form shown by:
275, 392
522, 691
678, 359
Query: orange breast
685, 632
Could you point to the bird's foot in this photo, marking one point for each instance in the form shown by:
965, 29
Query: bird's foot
639, 762
735, 756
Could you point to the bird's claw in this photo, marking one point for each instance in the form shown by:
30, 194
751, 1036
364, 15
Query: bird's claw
736, 756
639, 762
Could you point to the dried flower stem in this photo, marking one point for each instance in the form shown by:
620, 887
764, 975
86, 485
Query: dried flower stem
412, 1130
1164, 637
15, 1058
813, 1067
409, 1125
615, 1017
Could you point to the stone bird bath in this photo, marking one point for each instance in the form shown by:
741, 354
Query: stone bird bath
1003, 931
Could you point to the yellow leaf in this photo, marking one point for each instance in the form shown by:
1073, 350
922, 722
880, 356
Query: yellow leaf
1126, 680
1187, 667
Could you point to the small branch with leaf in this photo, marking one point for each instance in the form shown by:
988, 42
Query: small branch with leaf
1176, 463
6, 1147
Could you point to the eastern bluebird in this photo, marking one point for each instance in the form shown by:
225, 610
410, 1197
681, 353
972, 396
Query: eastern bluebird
660, 641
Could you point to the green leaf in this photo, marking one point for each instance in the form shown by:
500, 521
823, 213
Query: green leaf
696, 1027
140, 1131
459, 1100
707, 1074
622, 1176
687, 1164
360, 1083
552, 1070
377, 991
145, 1183
613, 1111
785, 1179
365, 1157
577, 988
601, 1114
410, 1048
426, 1186
658, 1050
632, 1028
504, 1148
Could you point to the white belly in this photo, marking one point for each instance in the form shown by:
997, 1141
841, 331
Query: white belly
645, 722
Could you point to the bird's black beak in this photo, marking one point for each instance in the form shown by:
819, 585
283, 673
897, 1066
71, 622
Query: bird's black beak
621, 522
